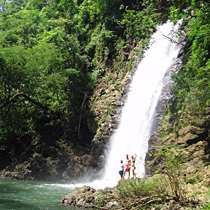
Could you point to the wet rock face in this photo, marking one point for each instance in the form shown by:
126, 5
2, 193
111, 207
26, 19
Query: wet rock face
80, 166
191, 141
69, 167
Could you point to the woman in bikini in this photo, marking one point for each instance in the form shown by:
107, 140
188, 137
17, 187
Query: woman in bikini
127, 166
133, 166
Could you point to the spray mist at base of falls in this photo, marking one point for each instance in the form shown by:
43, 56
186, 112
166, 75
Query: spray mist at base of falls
137, 116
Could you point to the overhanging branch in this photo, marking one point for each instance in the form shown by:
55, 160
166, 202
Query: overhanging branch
173, 40
19, 95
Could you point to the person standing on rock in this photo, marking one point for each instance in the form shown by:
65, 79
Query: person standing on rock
127, 166
121, 171
133, 165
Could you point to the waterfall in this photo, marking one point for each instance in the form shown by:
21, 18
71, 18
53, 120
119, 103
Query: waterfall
137, 116
134, 130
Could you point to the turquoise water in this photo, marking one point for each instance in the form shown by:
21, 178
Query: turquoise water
30, 195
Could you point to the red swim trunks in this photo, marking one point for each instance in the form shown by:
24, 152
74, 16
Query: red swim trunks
127, 168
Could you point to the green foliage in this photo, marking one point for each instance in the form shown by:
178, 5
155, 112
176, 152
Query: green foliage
139, 24
176, 13
54, 53
191, 88
206, 207
194, 179
171, 168
30, 79
172, 160
35, 55
139, 187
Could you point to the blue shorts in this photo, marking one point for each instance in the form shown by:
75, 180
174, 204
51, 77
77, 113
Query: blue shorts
121, 173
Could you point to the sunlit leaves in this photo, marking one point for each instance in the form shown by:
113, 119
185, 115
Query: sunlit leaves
139, 24
192, 82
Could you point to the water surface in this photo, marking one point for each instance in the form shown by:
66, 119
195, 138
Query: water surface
31, 195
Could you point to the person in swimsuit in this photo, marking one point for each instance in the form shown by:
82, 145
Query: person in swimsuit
121, 171
133, 165
128, 166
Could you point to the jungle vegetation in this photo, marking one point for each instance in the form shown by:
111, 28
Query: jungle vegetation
53, 53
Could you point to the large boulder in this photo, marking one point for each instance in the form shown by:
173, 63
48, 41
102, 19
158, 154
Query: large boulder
80, 197
87, 197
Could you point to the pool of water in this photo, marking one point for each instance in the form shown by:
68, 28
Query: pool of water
31, 195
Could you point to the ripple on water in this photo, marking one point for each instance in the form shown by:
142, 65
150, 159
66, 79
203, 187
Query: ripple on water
30, 195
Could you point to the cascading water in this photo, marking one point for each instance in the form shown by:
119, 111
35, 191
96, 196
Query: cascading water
133, 132
132, 135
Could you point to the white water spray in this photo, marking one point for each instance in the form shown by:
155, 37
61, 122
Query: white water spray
134, 130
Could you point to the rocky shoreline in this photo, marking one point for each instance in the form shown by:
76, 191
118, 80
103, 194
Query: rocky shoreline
110, 198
